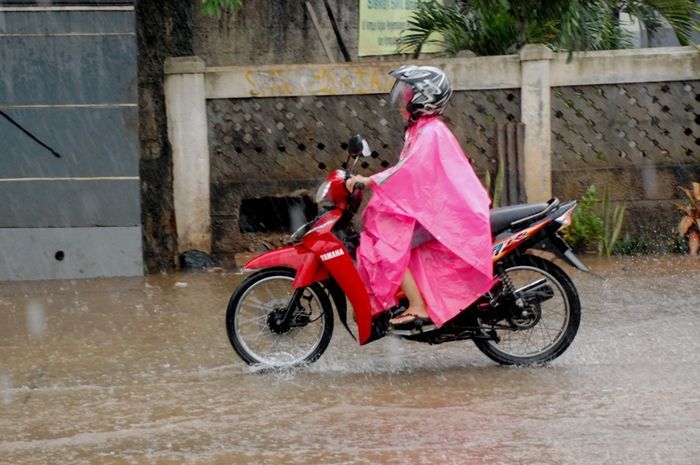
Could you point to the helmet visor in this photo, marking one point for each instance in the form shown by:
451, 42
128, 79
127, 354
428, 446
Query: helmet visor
401, 94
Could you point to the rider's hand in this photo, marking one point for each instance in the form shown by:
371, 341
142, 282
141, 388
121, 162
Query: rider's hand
350, 183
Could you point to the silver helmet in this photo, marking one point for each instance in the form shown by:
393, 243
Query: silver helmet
424, 90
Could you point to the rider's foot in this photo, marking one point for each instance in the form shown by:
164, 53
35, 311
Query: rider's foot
411, 315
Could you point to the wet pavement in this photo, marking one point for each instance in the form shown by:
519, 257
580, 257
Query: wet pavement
139, 371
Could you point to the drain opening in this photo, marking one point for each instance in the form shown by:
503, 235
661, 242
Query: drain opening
275, 214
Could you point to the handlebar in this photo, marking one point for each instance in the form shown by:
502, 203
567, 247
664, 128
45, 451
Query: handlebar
358, 186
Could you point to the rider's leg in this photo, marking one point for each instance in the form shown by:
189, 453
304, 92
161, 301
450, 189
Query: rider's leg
416, 304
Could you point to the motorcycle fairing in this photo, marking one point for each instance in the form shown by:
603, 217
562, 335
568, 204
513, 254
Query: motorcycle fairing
298, 256
503, 247
308, 266
337, 261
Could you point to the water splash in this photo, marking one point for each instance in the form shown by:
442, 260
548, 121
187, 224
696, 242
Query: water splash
296, 216
5, 389
650, 181
36, 318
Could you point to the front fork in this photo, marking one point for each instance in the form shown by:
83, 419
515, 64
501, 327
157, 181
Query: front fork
285, 318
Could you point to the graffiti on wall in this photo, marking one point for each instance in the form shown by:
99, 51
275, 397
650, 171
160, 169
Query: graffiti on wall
318, 80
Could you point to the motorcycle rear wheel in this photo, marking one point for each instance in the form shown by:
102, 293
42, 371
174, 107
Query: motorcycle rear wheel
254, 333
552, 329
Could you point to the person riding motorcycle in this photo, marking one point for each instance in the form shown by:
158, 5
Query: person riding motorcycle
426, 227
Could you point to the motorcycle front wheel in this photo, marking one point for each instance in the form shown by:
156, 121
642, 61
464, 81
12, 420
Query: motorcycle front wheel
254, 328
544, 327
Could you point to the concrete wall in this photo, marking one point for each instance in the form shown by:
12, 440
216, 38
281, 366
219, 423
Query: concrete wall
243, 102
68, 76
274, 31
627, 121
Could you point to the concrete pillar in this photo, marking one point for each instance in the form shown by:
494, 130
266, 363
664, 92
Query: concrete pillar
536, 115
187, 130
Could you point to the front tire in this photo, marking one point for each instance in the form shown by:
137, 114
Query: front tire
252, 328
552, 326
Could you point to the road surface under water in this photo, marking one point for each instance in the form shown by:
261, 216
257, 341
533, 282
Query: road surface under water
138, 371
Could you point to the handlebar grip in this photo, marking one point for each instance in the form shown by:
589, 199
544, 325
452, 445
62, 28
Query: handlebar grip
360, 186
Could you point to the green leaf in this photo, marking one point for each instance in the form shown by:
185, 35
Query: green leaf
612, 224
218, 7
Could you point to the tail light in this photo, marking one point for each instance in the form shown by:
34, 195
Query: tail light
566, 219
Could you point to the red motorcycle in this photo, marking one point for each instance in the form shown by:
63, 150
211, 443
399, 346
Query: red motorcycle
282, 314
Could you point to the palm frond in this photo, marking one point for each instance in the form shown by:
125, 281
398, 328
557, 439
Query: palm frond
428, 18
486, 27
680, 14
490, 27
592, 26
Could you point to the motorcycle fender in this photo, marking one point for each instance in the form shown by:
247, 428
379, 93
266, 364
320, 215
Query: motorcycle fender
562, 250
306, 263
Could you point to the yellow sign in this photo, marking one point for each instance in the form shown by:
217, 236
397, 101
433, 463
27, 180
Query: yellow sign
381, 23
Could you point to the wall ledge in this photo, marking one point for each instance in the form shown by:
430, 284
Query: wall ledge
184, 65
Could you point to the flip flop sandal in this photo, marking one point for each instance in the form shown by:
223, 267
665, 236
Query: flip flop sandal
410, 321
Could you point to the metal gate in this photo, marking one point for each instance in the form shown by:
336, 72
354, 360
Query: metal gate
68, 77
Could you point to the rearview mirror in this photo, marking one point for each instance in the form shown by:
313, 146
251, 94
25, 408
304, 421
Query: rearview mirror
366, 151
357, 146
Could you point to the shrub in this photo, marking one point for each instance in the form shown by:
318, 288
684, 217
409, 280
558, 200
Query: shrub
676, 244
612, 225
631, 246
586, 230
689, 225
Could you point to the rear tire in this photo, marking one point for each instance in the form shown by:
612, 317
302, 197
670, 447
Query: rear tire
258, 340
556, 327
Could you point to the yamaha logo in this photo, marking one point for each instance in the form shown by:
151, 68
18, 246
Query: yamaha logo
332, 254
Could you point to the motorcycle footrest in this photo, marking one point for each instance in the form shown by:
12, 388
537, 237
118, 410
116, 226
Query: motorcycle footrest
411, 332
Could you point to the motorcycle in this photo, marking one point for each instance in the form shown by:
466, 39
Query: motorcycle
282, 314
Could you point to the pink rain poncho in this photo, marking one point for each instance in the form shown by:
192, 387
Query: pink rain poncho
434, 186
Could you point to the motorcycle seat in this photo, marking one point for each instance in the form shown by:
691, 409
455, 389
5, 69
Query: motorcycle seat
501, 218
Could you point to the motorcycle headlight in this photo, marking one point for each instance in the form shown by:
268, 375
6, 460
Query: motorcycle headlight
322, 195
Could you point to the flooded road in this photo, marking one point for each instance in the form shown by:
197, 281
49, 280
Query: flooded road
134, 371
